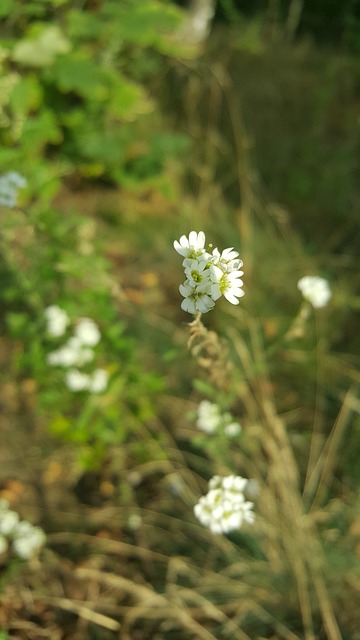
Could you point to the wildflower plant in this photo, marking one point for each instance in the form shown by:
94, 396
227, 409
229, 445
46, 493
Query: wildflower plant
211, 420
77, 351
209, 274
18, 536
224, 508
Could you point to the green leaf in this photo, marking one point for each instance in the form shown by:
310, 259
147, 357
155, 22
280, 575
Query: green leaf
79, 74
41, 47
127, 100
6, 7
40, 130
17, 323
26, 95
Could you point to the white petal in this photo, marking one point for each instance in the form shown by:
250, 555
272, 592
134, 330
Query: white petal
231, 298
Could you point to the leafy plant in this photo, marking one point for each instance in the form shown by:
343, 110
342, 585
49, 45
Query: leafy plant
74, 94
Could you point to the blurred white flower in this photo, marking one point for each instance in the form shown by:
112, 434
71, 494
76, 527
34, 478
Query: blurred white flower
224, 508
98, 381
87, 332
76, 380
232, 429
316, 290
10, 183
3, 544
56, 320
8, 521
72, 354
27, 539
208, 417
192, 246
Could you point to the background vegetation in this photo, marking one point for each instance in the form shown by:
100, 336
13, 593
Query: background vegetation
128, 138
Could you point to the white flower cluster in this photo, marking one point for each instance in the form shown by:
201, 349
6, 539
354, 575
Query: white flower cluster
224, 508
210, 419
24, 539
57, 321
208, 275
76, 352
10, 183
316, 290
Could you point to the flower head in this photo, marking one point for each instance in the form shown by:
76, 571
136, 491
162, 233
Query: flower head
27, 539
10, 183
195, 298
226, 284
98, 381
73, 353
56, 320
76, 381
208, 275
224, 508
192, 246
8, 521
210, 419
208, 416
316, 290
197, 273
24, 538
87, 332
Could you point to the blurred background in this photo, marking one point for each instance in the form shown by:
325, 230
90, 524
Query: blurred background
125, 124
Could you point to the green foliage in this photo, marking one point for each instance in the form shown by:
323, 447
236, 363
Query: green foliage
74, 89
47, 258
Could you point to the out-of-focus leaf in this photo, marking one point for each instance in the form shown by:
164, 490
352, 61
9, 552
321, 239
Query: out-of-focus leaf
128, 100
26, 95
5, 9
40, 130
79, 74
41, 47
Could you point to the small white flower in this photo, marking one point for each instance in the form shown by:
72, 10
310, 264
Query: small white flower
27, 539
81, 354
208, 417
230, 483
191, 247
195, 300
224, 508
98, 381
228, 260
10, 183
76, 380
14, 179
72, 354
232, 429
197, 274
226, 284
56, 320
3, 544
316, 290
8, 521
87, 332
